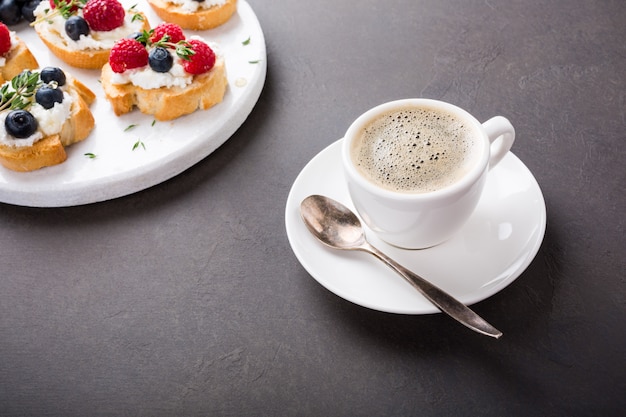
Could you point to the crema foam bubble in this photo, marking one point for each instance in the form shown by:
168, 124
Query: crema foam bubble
415, 150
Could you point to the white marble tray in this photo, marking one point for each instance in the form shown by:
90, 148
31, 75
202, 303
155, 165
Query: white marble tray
164, 149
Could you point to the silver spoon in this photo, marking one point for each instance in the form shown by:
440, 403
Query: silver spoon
338, 227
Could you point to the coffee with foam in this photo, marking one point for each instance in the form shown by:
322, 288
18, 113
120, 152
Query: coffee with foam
415, 149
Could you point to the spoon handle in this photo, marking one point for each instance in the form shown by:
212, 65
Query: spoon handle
444, 301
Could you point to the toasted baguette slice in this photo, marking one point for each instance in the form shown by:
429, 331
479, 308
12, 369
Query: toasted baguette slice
86, 58
200, 20
18, 59
50, 150
81, 122
167, 103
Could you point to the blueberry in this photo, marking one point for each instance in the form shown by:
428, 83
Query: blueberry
49, 74
20, 124
160, 59
10, 12
28, 8
47, 95
76, 26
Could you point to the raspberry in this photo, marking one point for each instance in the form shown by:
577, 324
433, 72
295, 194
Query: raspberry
5, 39
174, 31
202, 60
104, 15
127, 54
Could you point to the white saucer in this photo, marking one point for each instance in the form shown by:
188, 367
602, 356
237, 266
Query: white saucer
496, 245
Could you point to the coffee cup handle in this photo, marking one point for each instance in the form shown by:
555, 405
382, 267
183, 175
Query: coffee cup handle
501, 135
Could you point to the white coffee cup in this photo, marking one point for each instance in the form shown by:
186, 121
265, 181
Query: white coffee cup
410, 218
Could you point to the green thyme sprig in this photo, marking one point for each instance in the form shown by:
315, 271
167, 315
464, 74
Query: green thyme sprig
65, 8
16, 94
136, 14
182, 48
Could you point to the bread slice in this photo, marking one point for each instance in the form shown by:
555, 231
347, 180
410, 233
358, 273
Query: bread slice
81, 122
167, 103
201, 19
50, 150
17, 59
86, 58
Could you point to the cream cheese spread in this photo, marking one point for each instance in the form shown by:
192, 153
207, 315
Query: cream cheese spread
148, 79
50, 122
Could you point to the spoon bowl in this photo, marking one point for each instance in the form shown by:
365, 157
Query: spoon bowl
332, 223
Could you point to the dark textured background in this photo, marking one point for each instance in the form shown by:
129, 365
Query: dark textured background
186, 300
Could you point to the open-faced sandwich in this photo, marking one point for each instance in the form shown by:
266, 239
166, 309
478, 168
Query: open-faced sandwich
164, 74
82, 32
195, 14
14, 55
41, 113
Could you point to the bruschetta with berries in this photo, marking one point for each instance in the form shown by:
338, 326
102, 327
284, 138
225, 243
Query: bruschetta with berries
195, 14
41, 113
82, 32
164, 74
14, 55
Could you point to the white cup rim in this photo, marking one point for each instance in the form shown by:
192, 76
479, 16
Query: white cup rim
468, 179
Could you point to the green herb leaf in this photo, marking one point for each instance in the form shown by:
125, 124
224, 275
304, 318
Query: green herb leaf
246, 42
138, 144
17, 93
184, 51
145, 36
254, 62
129, 127
90, 155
